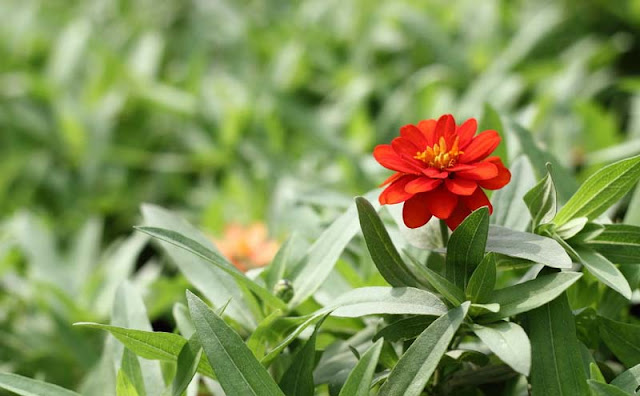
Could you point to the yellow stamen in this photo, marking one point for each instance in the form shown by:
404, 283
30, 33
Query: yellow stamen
439, 156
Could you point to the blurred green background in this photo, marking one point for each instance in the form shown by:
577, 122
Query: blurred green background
241, 111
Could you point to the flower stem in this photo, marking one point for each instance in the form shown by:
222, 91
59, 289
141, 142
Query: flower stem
444, 232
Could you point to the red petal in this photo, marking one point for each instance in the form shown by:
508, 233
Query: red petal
446, 127
441, 202
460, 168
396, 193
404, 148
415, 136
460, 186
501, 180
481, 171
477, 200
480, 147
457, 217
391, 179
466, 131
388, 158
422, 184
434, 173
415, 212
428, 129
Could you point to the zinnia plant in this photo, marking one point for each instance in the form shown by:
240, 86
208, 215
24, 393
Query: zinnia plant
441, 169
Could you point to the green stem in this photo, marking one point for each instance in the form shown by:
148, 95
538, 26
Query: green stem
444, 232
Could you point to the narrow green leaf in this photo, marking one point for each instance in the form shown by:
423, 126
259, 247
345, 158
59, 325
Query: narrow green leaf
466, 247
542, 200
187, 365
623, 340
133, 372
415, 367
601, 389
509, 342
298, 379
216, 285
383, 252
483, 280
262, 335
619, 243
405, 329
448, 290
629, 381
557, 367
595, 373
322, 256
571, 228
214, 258
124, 386
532, 294
386, 300
310, 319
29, 387
527, 246
604, 270
601, 190
509, 208
237, 370
565, 183
276, 270
359, 381
150, 345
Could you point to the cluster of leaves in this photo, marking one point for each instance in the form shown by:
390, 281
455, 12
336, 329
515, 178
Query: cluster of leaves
108, 104
538, 306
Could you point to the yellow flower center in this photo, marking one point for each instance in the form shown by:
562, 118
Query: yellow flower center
439, 156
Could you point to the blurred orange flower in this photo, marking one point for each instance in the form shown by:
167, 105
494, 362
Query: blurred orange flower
247, 247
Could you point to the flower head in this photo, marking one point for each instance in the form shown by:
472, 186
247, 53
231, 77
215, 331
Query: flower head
247, 247
441, 169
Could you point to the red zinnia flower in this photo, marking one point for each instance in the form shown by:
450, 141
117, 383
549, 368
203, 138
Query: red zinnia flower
441, 169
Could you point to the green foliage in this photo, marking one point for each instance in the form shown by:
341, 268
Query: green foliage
231, 112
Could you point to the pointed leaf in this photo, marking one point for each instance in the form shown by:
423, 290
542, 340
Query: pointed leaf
619, 243
298, 379
466, 247
601, 190
237, 370
509, 342
383, 253
187, 365
542, 200
532, 294
130, 368
124, 386
601, 389
604, 270
623, 340
557, 367
359, 381
216, 285
214, 258
150, 345
448, 290
415, 367
629, 381
527, 246
483, 280
386, 300
405, 329
29, 387
324, 253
